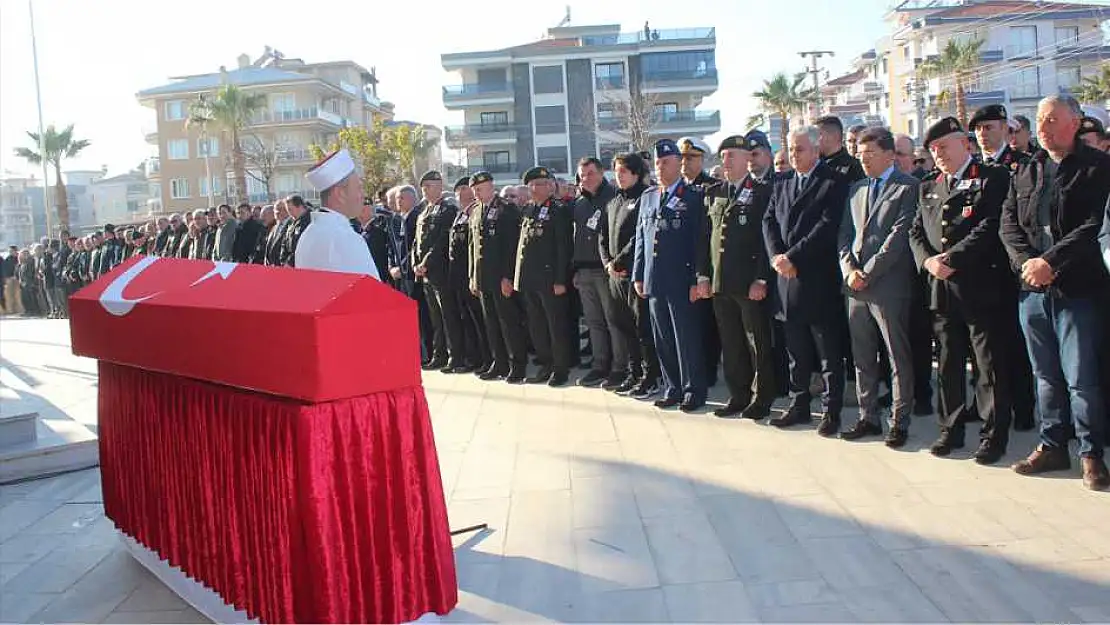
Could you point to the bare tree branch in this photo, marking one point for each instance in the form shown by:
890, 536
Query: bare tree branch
262, 160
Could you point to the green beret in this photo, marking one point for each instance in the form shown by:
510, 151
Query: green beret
480, 177
988, 113
942, 128
430, 175
1091, 124
537, 173
462, 182
735, 142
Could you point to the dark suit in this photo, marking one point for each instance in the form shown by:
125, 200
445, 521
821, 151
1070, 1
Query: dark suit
704, 308
962, 224
874, 239
738, 259
542, 261
804, 226
433, 232
670, 237
476, 352
494, 235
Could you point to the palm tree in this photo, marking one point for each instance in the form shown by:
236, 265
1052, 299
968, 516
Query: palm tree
232, 110
784, 96
958, 61
200, 116
54, 147
1095, 89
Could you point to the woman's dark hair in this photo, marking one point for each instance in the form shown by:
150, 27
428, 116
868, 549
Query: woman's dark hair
631, 161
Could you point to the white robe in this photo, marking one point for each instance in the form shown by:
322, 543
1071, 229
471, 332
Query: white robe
330, 244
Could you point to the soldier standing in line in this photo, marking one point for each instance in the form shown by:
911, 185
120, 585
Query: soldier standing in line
542, 273
740, 275
429, 259
475, 349
955, 238
693, 151
494, 235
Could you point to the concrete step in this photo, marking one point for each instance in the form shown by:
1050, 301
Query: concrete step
17, 429
59, 445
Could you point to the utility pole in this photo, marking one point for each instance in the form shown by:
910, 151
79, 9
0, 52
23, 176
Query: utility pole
815, 71
42, 133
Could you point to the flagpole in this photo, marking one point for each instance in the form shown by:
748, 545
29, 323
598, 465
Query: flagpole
42, 134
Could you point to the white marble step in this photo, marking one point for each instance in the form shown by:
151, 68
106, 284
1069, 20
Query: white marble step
17, 429
59, 445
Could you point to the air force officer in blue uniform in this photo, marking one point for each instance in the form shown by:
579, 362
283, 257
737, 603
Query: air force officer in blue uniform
670, 237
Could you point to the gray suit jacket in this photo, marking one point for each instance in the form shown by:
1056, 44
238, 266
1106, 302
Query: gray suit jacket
876, 240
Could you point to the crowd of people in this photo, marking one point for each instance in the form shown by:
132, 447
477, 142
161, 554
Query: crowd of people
851, 254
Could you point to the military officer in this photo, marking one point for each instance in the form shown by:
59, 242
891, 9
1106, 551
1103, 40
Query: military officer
833, 152
543, 256
955, 240
494, 235
740, 271
475, 351
693, 151
670, 239
429, 265
992, 133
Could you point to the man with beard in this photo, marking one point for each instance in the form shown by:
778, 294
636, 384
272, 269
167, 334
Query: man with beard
617, 242
740, 276
494, 236
542, 274
429, 259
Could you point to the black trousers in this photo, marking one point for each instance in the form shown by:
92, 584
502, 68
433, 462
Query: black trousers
817, 345
782, 359
749, 364
504, 331
921, 344
475, 346
634, 322
986, 334
547, 324
427, 333
436, 323
444, 301
711, 339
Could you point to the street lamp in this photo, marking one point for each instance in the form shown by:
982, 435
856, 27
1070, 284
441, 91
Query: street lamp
42, 133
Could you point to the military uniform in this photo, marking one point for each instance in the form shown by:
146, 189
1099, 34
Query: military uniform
959, 219
433, 231
845, 165
543, 256
711, 338
291, 236
494, 235
475, 350
670, 238
738, 259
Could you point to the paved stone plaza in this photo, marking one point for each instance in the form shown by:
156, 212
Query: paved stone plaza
602, 508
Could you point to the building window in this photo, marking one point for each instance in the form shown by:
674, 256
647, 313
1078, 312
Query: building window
1023, 40
178, 149
209, 147
202, 187
679, 65
547, 79
496, 162
554, 159
551, 120
175, 110
1027, 83
492, 77
281, 102
609, 76
179, 188
666, 111
606, 153
285, 184
496, 119
1067, 36
1068, 77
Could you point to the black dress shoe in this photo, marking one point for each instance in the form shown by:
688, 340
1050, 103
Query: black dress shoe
493, 373
691, 403
614, 381
794, 416
434, 365
946, 443
861, 429
730, 410
593, 378
896, 438
646, 390
830, 424
756, 411
559, 378
516, 377
989, 452
541, 377
667, 402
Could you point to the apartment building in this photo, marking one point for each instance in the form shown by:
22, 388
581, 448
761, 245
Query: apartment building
306, 103
17, 210
580, 91
1031, 49
120, 199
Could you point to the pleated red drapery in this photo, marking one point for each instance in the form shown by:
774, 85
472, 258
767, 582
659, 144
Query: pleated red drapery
291, 512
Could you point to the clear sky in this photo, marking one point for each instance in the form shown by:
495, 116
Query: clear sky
94, 55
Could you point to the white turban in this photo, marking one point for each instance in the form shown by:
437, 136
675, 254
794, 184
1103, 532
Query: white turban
332, 170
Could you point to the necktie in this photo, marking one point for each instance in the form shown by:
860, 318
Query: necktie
876, 187
801, 185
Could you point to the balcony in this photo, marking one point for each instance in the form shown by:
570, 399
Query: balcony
609, 83
1024, 91
872, 87
293, 155
153, 168
295, 116
493, 168
651, 36
1071, 50
471, 94
1022, 52
480, 134
679, 81
693, 122
991, 56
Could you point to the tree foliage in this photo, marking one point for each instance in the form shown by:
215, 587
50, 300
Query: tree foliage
784, 96
384, 154
54, 147
958, 62
1095, 89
